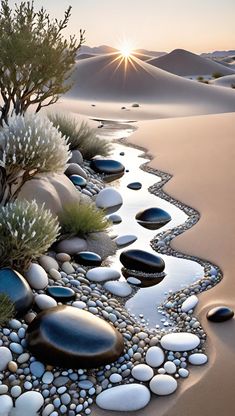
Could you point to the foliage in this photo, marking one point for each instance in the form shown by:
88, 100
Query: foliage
217, 75
81, 137
29, 144
82, 219
26, 232
7, 309
35, 59
232, 85
200, 78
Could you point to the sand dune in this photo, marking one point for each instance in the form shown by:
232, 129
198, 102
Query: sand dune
108, 78
227, 81
184, 63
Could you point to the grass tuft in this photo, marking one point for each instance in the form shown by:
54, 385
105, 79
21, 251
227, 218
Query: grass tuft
7, 309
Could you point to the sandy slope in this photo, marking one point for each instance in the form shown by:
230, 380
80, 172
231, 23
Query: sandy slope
200, 153
227, 81
184, 63
106, 78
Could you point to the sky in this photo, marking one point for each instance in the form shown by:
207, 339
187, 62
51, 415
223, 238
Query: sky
160, 25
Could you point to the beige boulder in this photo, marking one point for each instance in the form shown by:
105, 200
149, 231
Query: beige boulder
55, 190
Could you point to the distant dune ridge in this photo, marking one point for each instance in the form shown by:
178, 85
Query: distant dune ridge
184, 63
227, 81
105, 78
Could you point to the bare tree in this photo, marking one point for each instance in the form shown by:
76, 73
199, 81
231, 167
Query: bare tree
35, 58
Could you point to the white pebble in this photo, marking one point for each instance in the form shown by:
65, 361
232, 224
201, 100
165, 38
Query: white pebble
36, 276
189, 303
45, 301
124, 398
5, 357
198, 359
142, 372
170, 367
155, 356
162, 384
180, 341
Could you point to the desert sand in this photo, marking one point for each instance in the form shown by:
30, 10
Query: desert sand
199, 153
184, 63
226, 81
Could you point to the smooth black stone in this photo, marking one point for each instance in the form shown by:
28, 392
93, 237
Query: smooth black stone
122, 153
78, 180
17, 289
107, 166
220, 314
88, 258
135, 186
142, 261
153, 218
72, 338
116, 219
60, 293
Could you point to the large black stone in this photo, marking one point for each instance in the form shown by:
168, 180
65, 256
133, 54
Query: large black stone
153, 218
88, 258
61, 293
107, 166
220, 314
142, 261
17, 289
69, 337
135, 186
78, 180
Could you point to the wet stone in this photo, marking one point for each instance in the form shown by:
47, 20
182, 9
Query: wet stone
17, 289
70, 337
153, 218
135, 186
61, 294
220, 314
88, 258
142, 261
78, 180
107, 166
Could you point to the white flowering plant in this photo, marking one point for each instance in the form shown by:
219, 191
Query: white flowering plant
26, 232
29, 144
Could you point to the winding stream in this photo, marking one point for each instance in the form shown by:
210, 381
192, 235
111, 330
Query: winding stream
180, 272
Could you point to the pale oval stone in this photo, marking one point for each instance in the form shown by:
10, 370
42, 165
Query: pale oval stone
121, 289
115, 378
36, 276
155, 356
45, 301
183, 372
47, 377
48, 410
162, 384
170, 367
47, 262
13, 367
62, 257
133, 281
29, 403
189, 303
5, 357
108, 197
67, 267
55, 274
6, 404
71, 245
102, 274
180, 341
23, 358
198, 359
124, 240
79, 304
142, 372
124, 398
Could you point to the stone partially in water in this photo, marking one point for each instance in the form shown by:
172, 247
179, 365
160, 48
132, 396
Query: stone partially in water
220, 314
107, 166
135, 186
61, 293
116, 219
109, 199
142, 261
78, 180
70, 337
87, 258
153, 218
121, 289
124, 398
125, 240
17, 289
142, 279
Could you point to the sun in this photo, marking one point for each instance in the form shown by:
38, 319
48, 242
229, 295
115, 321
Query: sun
126, 50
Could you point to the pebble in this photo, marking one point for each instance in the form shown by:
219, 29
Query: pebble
79, 304
16, 391
189, 303
198, 359
180, 341
125, 240
63, 257
36, 276
5, 357
155, 356
183, 372
48, 263
6, 404
142, 372
102, 274
37, 368
45, 302
121, 289
115, 378
163, 384
124, 398
170, 367
29, 403
108, 197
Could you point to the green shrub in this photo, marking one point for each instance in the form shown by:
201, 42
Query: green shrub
81, 137
7, 309
200, 78
82, 219
26, 232
217, 75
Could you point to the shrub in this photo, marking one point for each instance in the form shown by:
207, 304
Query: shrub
232, 85
26, 232
30, 144
217, 75
82, 219
7, 309
81, 137
35, 59
200, 78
